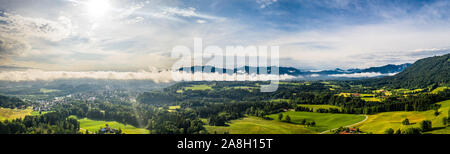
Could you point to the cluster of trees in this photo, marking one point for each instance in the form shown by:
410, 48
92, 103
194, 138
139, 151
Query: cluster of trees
152, 117
12, 102
50, 123
182, 122
425, 125
354, 105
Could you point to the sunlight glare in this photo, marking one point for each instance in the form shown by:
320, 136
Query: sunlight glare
98, 8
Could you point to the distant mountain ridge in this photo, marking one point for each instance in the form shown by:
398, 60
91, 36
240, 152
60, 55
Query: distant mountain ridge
432, 71
296, 72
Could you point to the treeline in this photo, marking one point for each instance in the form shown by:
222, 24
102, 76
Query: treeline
319, 110
12, 102
223, 93
151, 117
218, 114
354, 105
50, 123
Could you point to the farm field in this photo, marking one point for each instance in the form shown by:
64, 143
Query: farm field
371, 99
439, 89
45, 91
173, 108
324, 121
10, 114
256, 125
241, 87
315, 107
378, 123
294, 83
280, 100
36, 113
95, 125
199, 87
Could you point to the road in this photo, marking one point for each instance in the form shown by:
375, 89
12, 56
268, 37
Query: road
347, 125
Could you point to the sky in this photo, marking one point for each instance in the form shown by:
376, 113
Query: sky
139, 35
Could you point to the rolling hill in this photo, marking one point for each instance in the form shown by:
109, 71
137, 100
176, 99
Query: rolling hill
432, 71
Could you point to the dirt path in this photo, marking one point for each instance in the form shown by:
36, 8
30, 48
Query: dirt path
347, 125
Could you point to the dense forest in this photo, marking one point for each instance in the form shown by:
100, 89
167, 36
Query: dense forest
50, 123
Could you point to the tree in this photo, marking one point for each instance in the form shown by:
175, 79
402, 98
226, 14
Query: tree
303, 121
405, 122
389, 131
411, 131
398, 132
445, 121
280, 116
425, 125
288, 119
436, 113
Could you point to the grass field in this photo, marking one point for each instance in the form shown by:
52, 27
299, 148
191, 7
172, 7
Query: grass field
315, 107
324, 121
280, 100
294, 83
378, 123
255, 125
10, 114
438, 89
173, 108
35, 113
250, 89
45, 91
95, 125
371, 99
199, 87
345, 94
367, 95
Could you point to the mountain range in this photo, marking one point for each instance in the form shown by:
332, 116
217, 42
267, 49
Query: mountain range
431, 71
377, 71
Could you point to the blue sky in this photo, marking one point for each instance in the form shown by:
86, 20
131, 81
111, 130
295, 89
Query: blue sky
121, 35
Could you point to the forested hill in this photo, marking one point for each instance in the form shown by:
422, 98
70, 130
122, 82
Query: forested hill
432, 71
12, 102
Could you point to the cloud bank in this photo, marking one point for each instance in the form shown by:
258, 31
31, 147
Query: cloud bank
156, 76
362, 75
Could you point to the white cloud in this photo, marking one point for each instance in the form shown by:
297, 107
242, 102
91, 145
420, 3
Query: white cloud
201, 21
156, 76
186, 12
265, 3
25, 27
348, 47
359, 75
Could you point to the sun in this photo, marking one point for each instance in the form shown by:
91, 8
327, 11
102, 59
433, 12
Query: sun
98, 8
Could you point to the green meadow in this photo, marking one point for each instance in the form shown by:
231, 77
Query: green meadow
256, 125
324, 121
199, 87
95, 125
35, 113
45, 91
315, 107
371, 99
378, 123
10, 114
174, 108
438, 89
